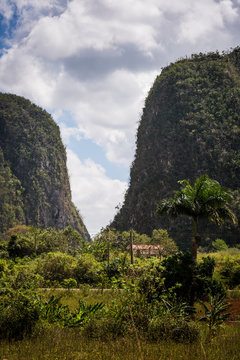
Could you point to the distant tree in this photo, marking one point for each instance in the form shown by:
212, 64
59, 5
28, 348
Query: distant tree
161, 237
206, 199
20, 246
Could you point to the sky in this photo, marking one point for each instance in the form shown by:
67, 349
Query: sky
91, 63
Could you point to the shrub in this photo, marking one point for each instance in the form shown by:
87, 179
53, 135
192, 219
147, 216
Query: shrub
24, 278
219, 245
230, 273
87, 270
105, 327
235, 277
69, 283
20, 246
195, 280
113, 269
53, 311
19, 315
170, 328
3, 267
56, 266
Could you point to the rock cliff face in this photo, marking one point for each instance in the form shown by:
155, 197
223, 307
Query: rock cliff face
34, 182
190, 126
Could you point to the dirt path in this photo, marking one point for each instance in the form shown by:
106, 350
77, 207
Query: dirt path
234, 310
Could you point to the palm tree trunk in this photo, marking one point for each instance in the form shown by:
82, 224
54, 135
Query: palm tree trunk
194, 240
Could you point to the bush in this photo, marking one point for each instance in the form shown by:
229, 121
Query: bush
19, 315
179, 276
88, 270
20, 246
56, 266
26, 279
230, 272
170, 328
69, 283
105, 328
195, 280
113, 269
219, 245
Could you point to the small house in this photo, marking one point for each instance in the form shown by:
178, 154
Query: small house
147, 250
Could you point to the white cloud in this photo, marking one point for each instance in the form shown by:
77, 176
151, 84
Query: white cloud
6, 9
68, 132
204, 19
95, 194
229, 12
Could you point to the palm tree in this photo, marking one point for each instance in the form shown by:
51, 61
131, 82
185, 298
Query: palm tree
206, 199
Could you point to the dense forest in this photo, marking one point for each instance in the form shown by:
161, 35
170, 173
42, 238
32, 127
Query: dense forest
34, 183
190, 126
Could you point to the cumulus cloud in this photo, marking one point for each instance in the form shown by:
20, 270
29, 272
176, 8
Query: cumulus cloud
205, 18
95, 194
6, 9
68, 132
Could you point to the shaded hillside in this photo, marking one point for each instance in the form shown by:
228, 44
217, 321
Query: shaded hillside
34, 186
190, 126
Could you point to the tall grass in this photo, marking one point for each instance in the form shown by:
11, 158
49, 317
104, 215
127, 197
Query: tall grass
58, 344
223, 255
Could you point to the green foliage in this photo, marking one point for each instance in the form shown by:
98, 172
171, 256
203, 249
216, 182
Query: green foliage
113, 268
169, 328
27, 240
219, 245
215, 313
180, 279
82, 314
69, 283
53, 311
194, 281
230, 273
19, 314
20, 247
56, 266
206, 199
161, 237
87, 270
109, 327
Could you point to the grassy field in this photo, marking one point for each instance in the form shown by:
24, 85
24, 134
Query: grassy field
53, 342
57, 344
90, 296
223, 255
50, 341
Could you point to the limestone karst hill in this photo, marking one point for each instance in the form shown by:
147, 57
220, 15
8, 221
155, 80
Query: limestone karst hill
34, 183
190, 126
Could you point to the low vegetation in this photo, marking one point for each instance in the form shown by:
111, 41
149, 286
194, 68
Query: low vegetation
70, 299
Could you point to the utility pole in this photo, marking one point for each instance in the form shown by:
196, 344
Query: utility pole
108, 246
131, 245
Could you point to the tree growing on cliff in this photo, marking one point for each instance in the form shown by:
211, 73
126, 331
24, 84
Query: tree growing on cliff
206, 199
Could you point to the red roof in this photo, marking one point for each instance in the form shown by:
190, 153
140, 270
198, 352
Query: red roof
146, 247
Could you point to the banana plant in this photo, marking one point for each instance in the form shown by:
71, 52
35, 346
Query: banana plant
82, 314
53, 311
215, 313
